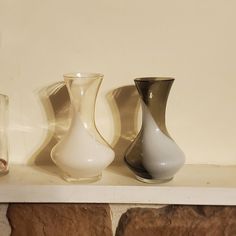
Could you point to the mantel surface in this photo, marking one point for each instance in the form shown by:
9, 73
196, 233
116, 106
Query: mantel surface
193, 184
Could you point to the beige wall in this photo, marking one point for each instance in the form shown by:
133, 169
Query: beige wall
194, 41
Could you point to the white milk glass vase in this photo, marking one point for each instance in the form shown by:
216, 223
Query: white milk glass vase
154, 156
82, 154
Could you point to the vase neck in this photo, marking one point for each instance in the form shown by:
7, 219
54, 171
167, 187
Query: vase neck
154, 94
83, 92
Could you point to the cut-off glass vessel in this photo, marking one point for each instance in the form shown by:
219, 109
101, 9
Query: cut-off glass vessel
4, 167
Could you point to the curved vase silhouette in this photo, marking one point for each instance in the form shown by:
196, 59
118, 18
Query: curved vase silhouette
82, 154
154, 156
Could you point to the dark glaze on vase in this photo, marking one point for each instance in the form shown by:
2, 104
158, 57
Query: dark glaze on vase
154, 156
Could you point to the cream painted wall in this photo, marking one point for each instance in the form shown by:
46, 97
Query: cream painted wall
193, 41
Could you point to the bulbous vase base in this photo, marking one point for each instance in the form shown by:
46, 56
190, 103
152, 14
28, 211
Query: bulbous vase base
71, 179
153, 181
142, 174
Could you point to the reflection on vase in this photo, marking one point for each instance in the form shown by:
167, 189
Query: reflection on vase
82, 154
3, 134
154, 156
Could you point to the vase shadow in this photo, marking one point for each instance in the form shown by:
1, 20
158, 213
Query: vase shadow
125, 104
56, 103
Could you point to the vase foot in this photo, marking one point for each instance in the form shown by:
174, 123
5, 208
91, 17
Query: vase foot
153, 181
68, 178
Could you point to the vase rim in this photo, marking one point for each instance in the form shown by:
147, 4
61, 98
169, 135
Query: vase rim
82, 75
150, 79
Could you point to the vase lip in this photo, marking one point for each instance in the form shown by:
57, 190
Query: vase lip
83, 75
153, 78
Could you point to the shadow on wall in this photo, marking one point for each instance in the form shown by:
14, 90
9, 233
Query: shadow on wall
56, 102
124, 102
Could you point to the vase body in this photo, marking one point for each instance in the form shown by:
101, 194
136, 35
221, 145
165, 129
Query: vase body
154, 156
3, 134
82, 153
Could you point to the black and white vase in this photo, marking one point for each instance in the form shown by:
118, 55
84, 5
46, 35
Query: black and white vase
154, 156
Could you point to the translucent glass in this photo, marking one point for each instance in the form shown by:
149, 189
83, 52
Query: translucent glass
3, 134
82, 154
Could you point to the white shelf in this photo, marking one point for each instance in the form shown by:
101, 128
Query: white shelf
194, 184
